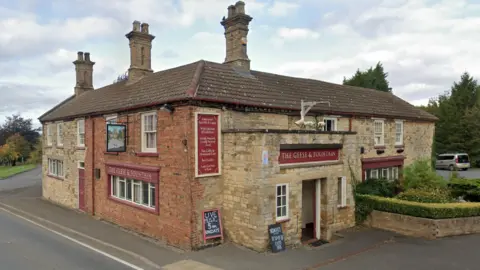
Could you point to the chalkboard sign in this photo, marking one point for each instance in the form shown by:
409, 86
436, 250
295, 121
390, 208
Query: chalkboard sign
277, 241
212, 224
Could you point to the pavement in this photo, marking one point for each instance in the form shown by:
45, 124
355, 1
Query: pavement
53, 237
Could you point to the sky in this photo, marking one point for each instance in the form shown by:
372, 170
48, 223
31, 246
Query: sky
424, 45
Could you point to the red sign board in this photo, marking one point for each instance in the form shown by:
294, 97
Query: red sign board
133, 173
292, 156
208, 156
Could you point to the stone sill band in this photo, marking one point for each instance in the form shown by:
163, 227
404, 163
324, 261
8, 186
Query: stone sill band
55, 177
143, 208
144, 154
285, 220
111, 153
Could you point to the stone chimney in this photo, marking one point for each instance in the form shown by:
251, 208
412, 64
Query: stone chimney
236, 31
84, 73
140, 51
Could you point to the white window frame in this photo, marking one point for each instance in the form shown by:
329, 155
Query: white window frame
281, 218
379, 134
80, 132
335, 123
49, 135
371, 173
395, 173
144, 132
79, 164
152, 203
342, 193
386, 171
56, 168
400, 134
111, 119
60, 134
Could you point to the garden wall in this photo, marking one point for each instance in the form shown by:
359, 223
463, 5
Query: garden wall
423, 227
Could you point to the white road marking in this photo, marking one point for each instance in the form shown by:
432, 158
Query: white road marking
76, 241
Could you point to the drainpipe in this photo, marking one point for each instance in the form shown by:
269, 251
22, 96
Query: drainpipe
93, 165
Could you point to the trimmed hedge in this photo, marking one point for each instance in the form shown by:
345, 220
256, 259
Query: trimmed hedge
425, 210
377, 187
469, 189
438, 195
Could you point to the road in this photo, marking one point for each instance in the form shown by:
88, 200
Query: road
24, 245
472, 173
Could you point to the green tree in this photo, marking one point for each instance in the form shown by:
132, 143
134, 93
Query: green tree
18, 124
374, 78
19, 145
36, 154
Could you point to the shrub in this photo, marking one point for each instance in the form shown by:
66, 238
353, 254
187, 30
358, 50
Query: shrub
377, 187
420, 175
439, 195
469, 189
417, 209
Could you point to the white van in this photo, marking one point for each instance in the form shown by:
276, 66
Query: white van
453, 162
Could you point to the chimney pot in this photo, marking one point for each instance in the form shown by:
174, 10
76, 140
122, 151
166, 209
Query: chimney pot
80, 56
87, 57
136, 26
231, 11
240, 7
145, 28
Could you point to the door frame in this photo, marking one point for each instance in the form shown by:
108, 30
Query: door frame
317, 206
80, 168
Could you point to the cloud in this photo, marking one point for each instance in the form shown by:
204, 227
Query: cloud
169, 54
281, 9
297, 33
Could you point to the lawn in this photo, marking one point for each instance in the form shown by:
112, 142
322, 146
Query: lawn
7, 171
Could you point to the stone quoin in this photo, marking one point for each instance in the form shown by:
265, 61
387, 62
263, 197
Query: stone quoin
223, 136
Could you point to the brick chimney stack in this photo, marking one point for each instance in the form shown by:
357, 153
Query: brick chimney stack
84, 73
140, 51
236, 31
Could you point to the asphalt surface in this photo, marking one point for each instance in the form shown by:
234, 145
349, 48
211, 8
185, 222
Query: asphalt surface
471, 173
24, 245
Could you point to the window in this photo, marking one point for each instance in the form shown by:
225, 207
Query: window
60, 134
81, 132
81, 165
111, 119
390, 173
378, 132
55, 168
134, 191
149, 132
342, 192
399, 133
330, 124
282, 201
49, 134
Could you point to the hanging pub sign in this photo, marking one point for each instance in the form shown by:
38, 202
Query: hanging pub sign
207, 144
116, 138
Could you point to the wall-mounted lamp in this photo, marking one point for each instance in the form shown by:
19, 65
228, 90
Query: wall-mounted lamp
167, 108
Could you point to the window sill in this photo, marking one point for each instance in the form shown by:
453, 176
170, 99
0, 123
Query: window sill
56, 177
380, 147
342, 206
134, 205
146, 154
282, 220
111, 153
80, 148
400, 146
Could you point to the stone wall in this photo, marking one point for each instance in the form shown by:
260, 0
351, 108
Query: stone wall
423, 227
62, 191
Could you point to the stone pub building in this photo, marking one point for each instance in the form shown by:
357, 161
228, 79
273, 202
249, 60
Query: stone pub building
152, 152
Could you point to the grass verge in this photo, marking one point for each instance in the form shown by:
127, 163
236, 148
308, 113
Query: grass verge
7, 171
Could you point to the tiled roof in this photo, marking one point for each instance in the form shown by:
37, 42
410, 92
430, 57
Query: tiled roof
216, 82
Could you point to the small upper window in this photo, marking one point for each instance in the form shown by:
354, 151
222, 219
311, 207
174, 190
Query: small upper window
330, 124
149, 132
282, 201
399, 132
81, 132
60, 134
